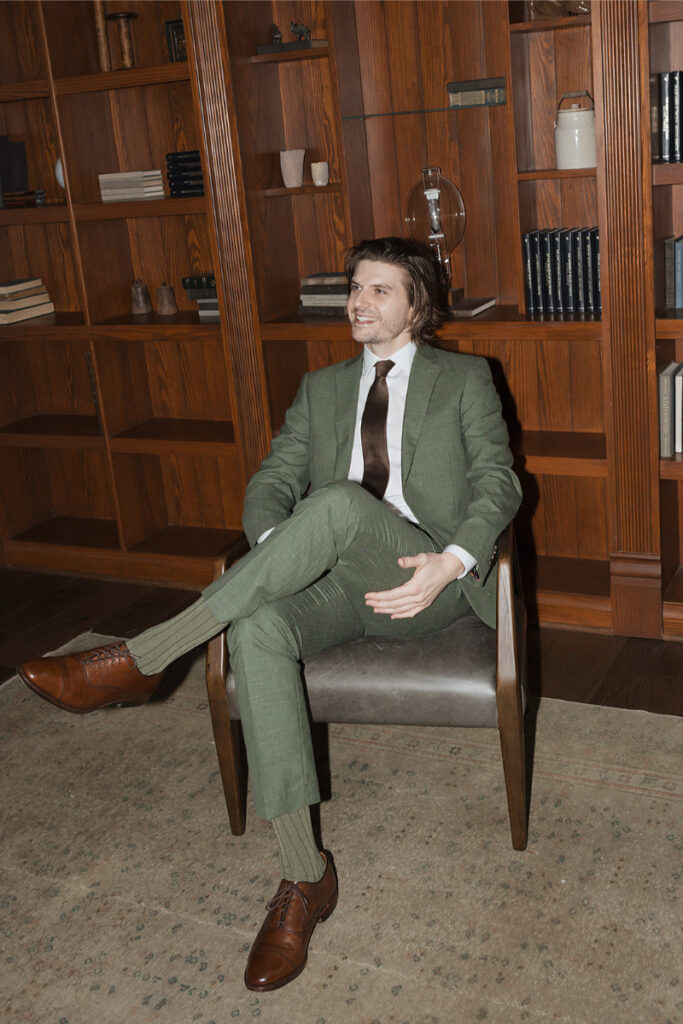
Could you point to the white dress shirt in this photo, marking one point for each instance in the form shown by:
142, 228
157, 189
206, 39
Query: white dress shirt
397, 385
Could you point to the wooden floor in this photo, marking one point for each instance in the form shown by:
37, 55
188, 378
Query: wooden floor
39, 612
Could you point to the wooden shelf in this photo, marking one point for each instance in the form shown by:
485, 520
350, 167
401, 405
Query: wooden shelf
667, 174
125, 79
57, 325
12, 92
569, 591
302, 190
561, 453
166, 436
140, 208
499, 321
671, 469
184, 325
672, 608
664, 10
54, 213
552, 172
71, 531
550, 24
669, 323
52, 431
288, 56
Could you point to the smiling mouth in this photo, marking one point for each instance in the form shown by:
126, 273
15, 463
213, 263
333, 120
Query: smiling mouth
363, 320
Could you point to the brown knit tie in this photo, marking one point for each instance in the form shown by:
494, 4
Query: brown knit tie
373, 432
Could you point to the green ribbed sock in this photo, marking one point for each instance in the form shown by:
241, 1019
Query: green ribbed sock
157, 647
300, 857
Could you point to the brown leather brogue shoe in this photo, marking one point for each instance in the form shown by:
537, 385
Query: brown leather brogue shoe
90, 679
281, 947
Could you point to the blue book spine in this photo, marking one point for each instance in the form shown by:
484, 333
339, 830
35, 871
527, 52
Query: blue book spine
556, 271
568, 300
595, 254
678, 272
529, 291
665, 115
675, 126
579, 277
538, 271
546, 266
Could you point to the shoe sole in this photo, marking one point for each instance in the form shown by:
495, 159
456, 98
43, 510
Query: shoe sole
322, 916
68, 707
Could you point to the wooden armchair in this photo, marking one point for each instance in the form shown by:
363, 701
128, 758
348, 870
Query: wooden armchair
465, 675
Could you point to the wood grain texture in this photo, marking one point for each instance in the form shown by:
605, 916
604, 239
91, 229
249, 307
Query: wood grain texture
622, 91
203, 23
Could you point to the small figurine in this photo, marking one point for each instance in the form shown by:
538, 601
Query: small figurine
301, 32
276, 35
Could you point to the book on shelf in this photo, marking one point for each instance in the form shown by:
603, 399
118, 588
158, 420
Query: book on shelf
205, 280
18, 315
23, 302
665, 387
678, 410
464, 308
325, 289
183, 154
22, 285
675, 127
337, 311
529, 290
654, 118
678, 272
201, 293
595, 267
324, 277
318, 299
567, 260
476, 92
665, 116
579, 272
562, 271
669, 274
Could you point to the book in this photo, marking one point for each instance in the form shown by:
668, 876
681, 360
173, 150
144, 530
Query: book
324, 277
206, 280
321, 311
678, 272
675, 116
556, 270
325, 289
178, 193
26, 314
201, 293
183, 154
665, 116
595, 250
567, 257
678, 410
323, 300
529, 293
589, 277
669, 274
21, 284
476, 92
665, 384
654, 117
537, 271
579, 272
15, 302
471, 306
546, 270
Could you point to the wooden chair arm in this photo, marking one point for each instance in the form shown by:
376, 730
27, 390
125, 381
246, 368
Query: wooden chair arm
511, 618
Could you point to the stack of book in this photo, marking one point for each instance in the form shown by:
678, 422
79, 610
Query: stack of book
562, 271
665, 116
201, 288
124, 186
670, 381
23, 299
325, 293
673, 272
29, 197
184, 173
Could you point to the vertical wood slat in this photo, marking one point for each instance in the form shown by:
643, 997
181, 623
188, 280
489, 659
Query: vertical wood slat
233, 250
628, 304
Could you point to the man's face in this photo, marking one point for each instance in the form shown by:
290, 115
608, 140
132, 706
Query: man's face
378, 307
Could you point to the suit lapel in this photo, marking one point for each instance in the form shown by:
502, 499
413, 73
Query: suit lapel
347, 384
423, 376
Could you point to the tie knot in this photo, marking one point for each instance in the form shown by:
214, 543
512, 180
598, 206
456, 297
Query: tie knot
382, 367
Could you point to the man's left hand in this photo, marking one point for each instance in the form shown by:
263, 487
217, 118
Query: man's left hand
432, 573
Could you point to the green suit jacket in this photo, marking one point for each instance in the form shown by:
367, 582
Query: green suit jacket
456, 463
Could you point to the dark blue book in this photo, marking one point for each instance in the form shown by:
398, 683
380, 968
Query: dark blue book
665, 116
589, 277
556, 270
595, 252
579, 273
678, 272
537, 271
675, 127
529, 290
546, 268
567, 257
669, 274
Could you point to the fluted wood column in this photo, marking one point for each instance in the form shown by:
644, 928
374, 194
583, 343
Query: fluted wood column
205, 25
624, 183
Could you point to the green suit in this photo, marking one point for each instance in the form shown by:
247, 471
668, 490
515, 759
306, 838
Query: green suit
301, 590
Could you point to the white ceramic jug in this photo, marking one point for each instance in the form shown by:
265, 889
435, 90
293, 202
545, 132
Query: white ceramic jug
575, 135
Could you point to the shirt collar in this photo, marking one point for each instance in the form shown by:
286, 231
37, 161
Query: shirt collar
403, 360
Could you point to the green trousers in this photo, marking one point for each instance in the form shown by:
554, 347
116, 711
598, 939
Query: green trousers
300, 592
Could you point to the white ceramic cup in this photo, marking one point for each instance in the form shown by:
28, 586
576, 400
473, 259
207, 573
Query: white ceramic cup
320, 172
292, 167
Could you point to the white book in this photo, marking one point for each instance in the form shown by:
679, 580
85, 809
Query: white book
678, 409
319, 299
665, 382
27, 314
116, 176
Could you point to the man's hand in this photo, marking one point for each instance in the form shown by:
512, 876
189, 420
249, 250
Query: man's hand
432, 573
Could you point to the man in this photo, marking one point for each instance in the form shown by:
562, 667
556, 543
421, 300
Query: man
375, 514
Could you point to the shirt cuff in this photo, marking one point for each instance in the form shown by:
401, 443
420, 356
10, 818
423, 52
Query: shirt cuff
464, 556
264, 535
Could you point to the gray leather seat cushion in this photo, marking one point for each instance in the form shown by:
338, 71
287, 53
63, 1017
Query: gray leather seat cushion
443, 678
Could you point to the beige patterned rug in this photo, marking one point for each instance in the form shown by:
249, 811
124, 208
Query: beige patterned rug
124, 897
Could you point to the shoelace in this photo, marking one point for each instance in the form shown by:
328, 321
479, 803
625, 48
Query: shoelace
111, 652
282, 899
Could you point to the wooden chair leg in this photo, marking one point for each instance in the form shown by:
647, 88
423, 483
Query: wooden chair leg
512, 747
226, 735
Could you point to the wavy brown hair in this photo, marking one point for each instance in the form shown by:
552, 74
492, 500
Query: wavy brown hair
425, 288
